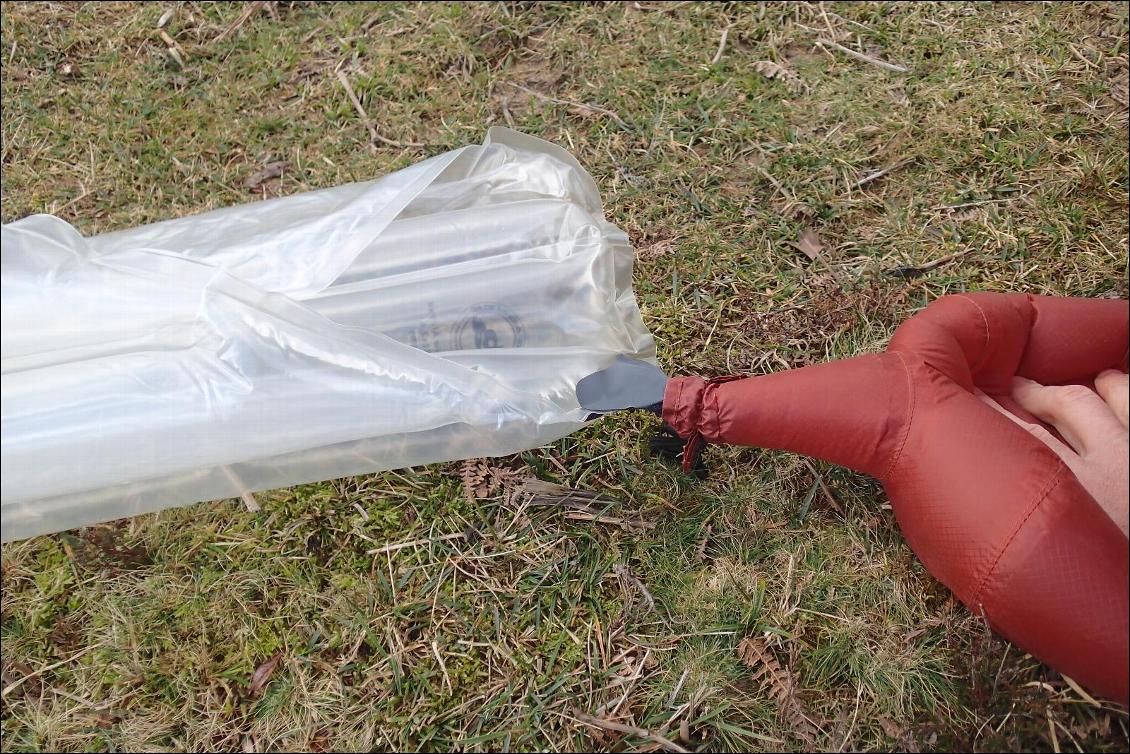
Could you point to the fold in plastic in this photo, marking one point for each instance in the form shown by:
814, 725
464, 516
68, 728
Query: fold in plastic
445, 311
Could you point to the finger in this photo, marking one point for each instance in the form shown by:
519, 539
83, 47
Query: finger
1114, 387
1070, 457
1078, 413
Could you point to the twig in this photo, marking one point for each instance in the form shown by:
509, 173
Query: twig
80, 700
622, 571
442, 665
880, 173
939, 25
504, 102
823, 487
854, 716
543, 493
247, 13
85, 193
625, 522
365, 117
1079, 690
414, 543
1070, 736
664, 7
865, 58
549, 501
250, 501
596, 722
776, 184
721, 45
571, 103
631, 683
1000, 669
244, 493
20, 681
865, 27
972, 204
912, 272
678, 686
1082, 57
172, 47
169, 41
370, 22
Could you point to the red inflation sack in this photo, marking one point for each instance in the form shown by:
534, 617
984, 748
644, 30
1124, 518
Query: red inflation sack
990, 510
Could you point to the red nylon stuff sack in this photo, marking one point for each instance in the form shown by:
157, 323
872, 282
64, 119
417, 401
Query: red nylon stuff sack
990, 510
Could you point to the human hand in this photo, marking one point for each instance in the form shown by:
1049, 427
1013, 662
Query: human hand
1094, 425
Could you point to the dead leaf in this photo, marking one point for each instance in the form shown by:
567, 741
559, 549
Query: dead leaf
976, 213
584, 112
19, 674
476, 478
890, 727
263, 674
704, 540
900, 734
105, 719
321, 741
65, 635
481, 480
778, 681
809, 244
898, 96
771, 70
657, 249
1120, 92
915, 633
270, 170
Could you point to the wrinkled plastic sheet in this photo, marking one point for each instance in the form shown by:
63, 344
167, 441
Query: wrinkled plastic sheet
445, 311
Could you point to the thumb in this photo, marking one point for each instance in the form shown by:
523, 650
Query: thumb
1114, 387
1080, 415
1066, 454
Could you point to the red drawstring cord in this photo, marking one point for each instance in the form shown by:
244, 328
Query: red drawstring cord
695, 442
691, 448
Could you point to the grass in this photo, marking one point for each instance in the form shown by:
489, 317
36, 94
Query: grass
1007, 143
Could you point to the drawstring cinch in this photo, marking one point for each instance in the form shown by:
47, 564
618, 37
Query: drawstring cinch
667, 443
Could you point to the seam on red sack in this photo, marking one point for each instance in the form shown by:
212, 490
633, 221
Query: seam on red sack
1030, 323
912, 397
988, 335
710, 396
704, 416
711, 392
1052, 483
680, 406
693, 402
